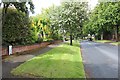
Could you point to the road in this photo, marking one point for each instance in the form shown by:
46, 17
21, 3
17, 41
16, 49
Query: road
100, 59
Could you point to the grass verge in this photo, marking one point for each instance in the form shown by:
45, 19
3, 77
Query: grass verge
64, 61
103, 41
115, 43
108, 41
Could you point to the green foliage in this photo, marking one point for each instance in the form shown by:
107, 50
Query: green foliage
67, 18
103, 19
60, 20
56, 36
43, 23
39, 40
70, 17
19, 5
17, 29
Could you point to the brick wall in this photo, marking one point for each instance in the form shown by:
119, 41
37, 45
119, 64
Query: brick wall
4, 51
19, 49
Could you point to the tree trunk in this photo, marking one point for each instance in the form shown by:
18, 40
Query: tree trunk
70, 39
63, 38
116, 33
102, 36
42, 34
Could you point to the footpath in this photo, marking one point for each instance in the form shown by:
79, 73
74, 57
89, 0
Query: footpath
13, 61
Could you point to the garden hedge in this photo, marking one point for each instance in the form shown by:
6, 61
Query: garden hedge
17, 29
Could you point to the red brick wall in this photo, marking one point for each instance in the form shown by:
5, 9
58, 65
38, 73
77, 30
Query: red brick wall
30, 47
18, 49
4, 51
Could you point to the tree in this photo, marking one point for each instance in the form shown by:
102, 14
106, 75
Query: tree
19, 5
14, 32
68, 18
103, 19
17, 29
72, 17
51, 15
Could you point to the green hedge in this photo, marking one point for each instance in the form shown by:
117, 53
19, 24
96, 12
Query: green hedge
17, 29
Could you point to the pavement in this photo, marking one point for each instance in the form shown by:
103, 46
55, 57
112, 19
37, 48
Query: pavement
100, 59
12, 62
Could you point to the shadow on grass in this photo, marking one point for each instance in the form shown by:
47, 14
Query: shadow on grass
48, 67
74, 44
8, 66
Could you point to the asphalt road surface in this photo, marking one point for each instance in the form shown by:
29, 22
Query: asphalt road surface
100, 59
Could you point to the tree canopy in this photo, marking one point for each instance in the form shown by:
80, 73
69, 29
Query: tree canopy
68, 18
105, 18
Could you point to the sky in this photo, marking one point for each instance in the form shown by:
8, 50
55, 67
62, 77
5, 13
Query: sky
39, 4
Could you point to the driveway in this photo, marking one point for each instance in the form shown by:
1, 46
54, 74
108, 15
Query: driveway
100, 59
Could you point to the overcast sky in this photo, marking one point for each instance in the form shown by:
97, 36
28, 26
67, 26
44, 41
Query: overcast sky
39, 4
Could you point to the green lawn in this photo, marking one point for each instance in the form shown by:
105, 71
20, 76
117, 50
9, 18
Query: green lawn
116, 43
64, 61
103, 41
108, 41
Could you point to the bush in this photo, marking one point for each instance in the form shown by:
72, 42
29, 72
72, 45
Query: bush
17, 29
56, 36
39, 40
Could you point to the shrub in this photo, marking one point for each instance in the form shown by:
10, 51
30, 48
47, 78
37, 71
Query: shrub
56, 36
39, 40
17, 29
